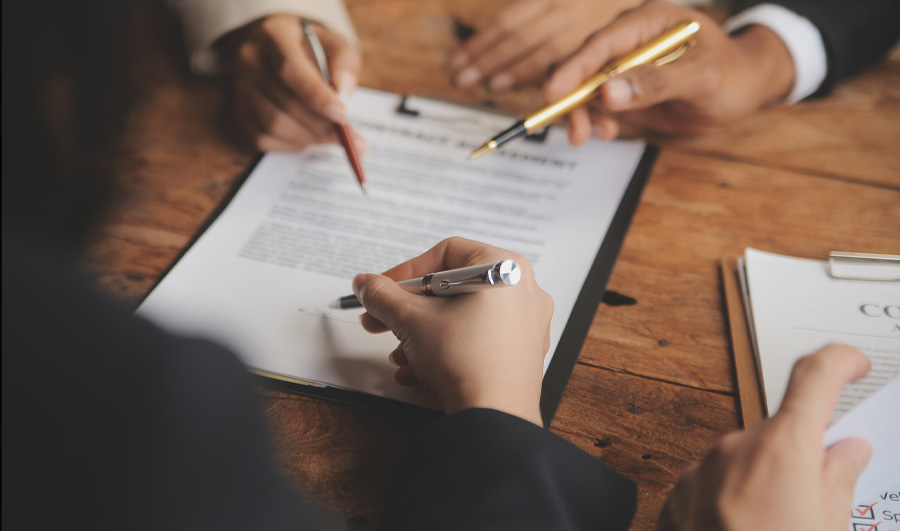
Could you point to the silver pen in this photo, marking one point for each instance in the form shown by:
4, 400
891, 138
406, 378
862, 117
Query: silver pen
453, 282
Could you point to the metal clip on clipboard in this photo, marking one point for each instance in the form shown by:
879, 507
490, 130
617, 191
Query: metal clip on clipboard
404, 108
864, 266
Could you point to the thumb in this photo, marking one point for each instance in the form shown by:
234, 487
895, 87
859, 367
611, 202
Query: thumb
648, 85
382, 298
343, 61
844, 462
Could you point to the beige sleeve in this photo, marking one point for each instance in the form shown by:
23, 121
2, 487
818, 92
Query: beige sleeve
205, 21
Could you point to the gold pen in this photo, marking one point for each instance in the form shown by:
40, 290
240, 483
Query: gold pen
664, 49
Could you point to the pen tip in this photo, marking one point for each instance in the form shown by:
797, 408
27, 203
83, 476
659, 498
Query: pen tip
488, 147
365, 190
335, 305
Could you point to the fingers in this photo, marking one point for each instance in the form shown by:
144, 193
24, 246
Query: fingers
623, 36
256, 133
648, 85
406, 377
451, 253
398, 357
271, 113
533, 66
533, 38
844, 462
343, 61
285, 53
404, 373
579, 126
285, 126
483, 43
816, 383
372, 325
385, 301
604, 127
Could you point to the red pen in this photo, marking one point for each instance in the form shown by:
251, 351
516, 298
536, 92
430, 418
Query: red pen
343, 130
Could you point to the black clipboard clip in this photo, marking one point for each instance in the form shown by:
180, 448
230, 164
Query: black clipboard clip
864, 266
404, 108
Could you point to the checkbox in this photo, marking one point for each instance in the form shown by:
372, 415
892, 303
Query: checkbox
865, 526
863, 512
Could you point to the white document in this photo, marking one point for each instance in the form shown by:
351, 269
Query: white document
797, 308
262, 275
875, 420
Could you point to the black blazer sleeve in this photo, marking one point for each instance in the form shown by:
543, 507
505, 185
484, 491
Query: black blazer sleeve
485, 470
109, 422
856, 33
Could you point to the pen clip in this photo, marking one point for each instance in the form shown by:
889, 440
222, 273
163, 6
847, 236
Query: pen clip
474, 279
676, 53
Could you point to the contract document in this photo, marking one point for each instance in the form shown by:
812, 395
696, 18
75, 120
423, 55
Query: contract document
260, 278
798, 307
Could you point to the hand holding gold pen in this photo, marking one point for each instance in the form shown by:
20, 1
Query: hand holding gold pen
664, 49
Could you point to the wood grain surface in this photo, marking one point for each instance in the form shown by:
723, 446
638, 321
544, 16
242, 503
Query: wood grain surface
654, 387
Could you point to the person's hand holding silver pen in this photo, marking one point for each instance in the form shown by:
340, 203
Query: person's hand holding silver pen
453, 282
485, 349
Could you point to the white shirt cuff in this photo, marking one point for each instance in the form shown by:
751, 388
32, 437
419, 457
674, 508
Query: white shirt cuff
800, 36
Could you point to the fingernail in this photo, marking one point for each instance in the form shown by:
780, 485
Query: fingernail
459, 60
357, 284
336, 113
346, 82
502, 81
618, 93
468, 77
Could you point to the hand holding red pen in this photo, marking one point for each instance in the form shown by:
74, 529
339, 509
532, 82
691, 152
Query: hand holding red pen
281, 100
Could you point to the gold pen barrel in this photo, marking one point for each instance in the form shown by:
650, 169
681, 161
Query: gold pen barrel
667, 43
550, 113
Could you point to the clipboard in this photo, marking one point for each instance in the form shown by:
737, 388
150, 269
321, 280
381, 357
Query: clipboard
750, 395
841, 265
574, 332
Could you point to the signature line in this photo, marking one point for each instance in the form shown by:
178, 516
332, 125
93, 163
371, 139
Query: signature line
842, 333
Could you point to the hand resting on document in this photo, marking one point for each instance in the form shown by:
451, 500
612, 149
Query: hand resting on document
777, 475
484, 350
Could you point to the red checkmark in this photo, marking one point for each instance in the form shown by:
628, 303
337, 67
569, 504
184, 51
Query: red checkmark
864, 511
874, 526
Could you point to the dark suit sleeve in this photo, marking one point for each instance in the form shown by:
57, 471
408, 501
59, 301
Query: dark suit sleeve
481, 469
856, 33
109, 423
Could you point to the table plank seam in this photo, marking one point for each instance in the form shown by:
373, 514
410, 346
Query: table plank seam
777, 167
660, 380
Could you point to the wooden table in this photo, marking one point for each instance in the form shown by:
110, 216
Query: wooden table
654, 387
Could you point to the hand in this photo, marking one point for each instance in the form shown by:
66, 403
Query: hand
758, 478
721, 80
280, 99
527, 37
484, 349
